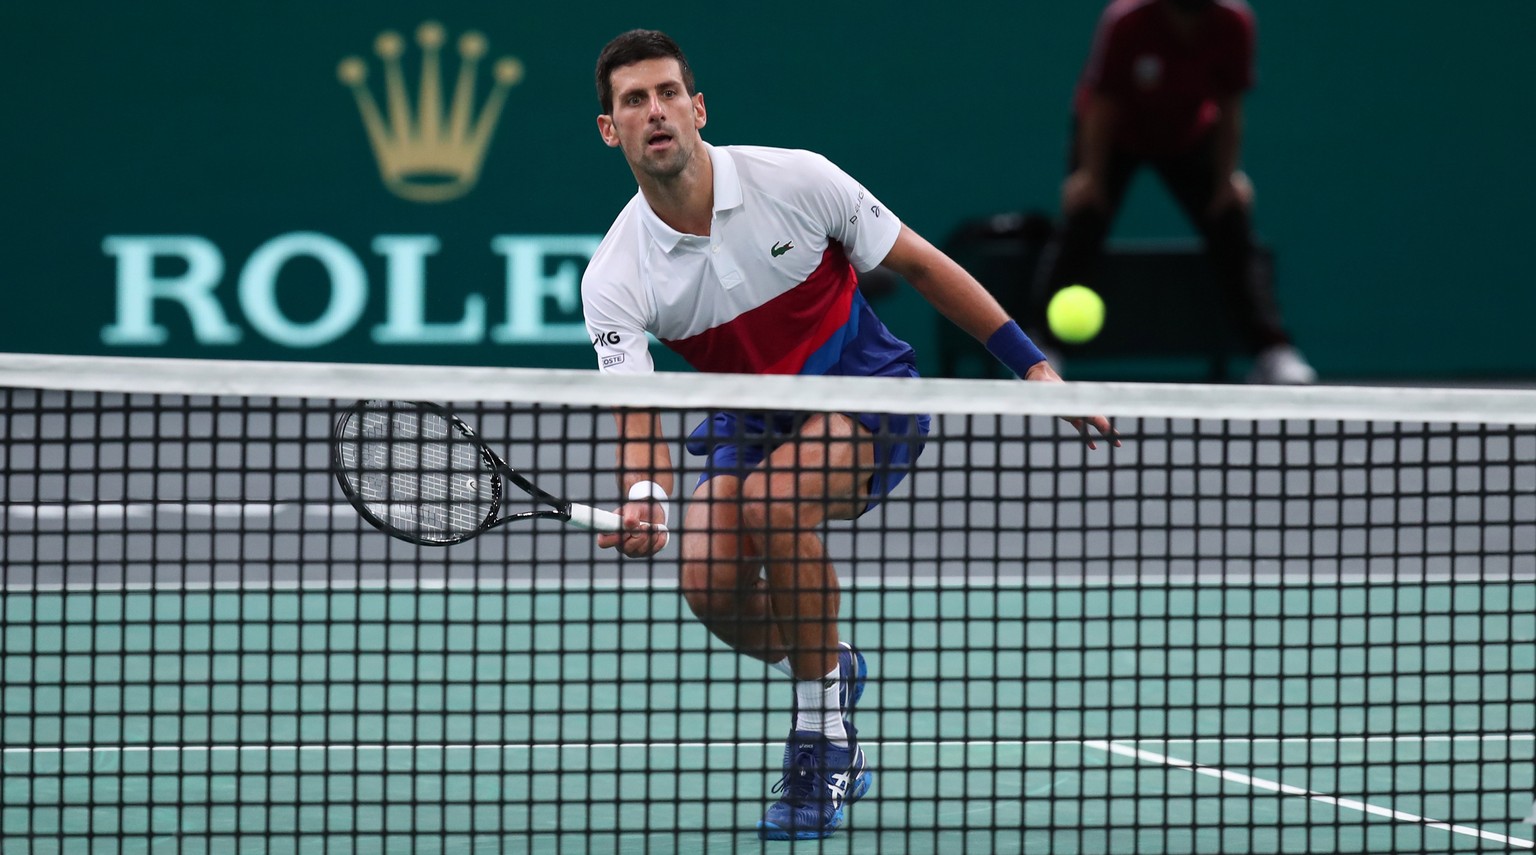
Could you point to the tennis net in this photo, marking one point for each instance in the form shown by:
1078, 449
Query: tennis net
1275, 620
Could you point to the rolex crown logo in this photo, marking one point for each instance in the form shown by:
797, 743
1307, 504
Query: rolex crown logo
427, 155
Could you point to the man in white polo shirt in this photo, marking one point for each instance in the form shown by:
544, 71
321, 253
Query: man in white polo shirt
742, 259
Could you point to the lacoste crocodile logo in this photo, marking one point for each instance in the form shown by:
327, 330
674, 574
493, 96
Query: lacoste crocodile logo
780, 250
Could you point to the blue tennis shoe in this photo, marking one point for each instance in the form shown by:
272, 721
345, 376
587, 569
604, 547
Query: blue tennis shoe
853, 670
820, 781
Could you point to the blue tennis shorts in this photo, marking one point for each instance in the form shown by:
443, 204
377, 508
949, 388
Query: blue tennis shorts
734, 443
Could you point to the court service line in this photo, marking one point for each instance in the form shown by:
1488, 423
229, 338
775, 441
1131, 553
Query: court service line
120, 511
752, 744
341, 747
853, 582
1290, 790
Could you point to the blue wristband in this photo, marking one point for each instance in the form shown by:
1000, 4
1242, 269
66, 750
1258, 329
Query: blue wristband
1014, 349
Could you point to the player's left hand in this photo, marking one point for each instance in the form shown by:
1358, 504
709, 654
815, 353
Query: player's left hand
1235, 192
1043, 372
642, 536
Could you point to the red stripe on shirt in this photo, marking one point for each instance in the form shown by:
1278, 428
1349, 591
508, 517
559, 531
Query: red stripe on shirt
778, 336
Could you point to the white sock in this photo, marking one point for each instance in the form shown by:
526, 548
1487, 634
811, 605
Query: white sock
817, 710
782, 666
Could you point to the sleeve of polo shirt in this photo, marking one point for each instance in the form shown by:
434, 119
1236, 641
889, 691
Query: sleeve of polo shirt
1108, 71
1236, 74
616, 328
852, 215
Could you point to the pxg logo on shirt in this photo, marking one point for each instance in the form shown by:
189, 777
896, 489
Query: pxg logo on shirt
606, 340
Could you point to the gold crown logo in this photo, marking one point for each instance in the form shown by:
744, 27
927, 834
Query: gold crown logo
429, 156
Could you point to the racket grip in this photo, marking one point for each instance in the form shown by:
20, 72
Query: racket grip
595, 519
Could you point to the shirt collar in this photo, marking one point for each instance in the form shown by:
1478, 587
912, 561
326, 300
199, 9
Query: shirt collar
727, 196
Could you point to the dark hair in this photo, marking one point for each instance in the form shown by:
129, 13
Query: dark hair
630, 48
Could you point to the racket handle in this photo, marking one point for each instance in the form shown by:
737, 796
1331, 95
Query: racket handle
596, 519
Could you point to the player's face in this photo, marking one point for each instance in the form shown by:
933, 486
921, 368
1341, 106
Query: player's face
653, 120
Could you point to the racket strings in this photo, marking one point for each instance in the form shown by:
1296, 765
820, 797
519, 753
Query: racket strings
417, 471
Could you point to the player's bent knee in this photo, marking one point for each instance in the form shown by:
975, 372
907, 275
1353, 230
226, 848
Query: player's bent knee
709, 605
770, 515
770, 506
709, 590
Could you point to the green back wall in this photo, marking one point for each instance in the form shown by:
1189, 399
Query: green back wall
1387, 141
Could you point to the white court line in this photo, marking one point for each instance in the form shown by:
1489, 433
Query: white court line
1110, 747
492, 746
852, 581
612, 746
107, 511
235, 514
1100, 745
1287, 789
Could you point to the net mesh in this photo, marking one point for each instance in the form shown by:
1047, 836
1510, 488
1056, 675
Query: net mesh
1235, 633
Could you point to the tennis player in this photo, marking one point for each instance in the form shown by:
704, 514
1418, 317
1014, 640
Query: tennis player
742, 259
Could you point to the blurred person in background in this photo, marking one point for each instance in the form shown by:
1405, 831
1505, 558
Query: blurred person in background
1163, 87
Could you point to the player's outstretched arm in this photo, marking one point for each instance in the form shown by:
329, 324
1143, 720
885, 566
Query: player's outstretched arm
1044, 371
958, 296
954, 292
647, 481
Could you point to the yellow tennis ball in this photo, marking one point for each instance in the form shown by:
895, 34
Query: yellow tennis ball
1076, 314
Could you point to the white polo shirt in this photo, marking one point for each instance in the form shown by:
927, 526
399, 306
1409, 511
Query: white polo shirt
771, 290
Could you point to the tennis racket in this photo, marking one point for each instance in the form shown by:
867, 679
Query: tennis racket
416, 472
